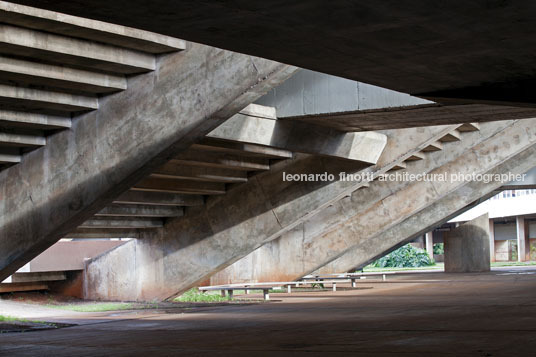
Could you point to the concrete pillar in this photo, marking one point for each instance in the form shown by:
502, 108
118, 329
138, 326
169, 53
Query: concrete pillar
521, 239
429, 239
491, 240
467, 247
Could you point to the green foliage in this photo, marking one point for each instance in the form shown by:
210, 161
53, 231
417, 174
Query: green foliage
194, 295
405, 256
439, 248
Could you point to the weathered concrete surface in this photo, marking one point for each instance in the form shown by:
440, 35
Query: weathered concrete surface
265, 129
467, 247
58, 187
226, 228
387, 214
88, 29
443, 51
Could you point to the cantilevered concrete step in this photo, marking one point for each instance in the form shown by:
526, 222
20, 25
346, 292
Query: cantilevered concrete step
174, 170
454, 135
180, 186
118, 210
61, 49
221, 160
93, 30
159, 199
21, 140
9, 156
44, 100
121, 223
27, 120
41, 74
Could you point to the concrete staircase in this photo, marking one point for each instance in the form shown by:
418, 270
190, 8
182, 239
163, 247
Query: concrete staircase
55, 66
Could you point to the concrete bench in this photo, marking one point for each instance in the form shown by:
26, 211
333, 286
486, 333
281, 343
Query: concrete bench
352, 277
228, 290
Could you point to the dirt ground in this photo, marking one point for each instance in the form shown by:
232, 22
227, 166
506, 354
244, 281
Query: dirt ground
425, 314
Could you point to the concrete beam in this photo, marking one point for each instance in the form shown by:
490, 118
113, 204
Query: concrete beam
109, 223
110, 150
222, 161
37, 99
24, 42
118, 210
173, 170
88, 29
152, 184
158, 199
417, 115
33, 120
42, 74
265, 129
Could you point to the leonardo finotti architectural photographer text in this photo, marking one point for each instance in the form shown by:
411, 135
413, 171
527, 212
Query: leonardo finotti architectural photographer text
406, 176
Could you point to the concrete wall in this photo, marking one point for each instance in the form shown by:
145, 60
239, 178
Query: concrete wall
310, 93
70, 255
467, 247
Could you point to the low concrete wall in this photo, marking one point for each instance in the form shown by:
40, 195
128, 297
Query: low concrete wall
467, 247
70, 255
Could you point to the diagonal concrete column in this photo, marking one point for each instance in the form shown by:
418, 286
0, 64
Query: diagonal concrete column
375, 209
209, 238
106, 152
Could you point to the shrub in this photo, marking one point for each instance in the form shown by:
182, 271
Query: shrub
406, 256
439, 248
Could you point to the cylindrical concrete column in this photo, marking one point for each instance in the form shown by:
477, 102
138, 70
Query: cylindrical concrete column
430, 244
491, 240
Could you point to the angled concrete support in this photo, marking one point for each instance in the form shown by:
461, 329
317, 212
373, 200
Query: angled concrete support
467, 247
209, 238
387, 214
134, 132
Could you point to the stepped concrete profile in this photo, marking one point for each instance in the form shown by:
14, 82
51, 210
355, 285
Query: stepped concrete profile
107, 151
217, 166
385, 215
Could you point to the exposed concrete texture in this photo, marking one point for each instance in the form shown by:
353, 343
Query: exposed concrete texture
99, 31
208, 238
266, 130
467, 247
474, 50
108, 151
19, 41
377, 219
314, 93
60, 76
